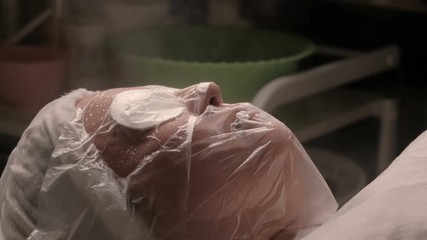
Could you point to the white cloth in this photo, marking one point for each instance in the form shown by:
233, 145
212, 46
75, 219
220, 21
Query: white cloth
394, 206
26, 168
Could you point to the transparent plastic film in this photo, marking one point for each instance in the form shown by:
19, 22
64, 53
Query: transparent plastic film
158, 163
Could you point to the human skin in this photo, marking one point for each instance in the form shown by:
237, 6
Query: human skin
181, 204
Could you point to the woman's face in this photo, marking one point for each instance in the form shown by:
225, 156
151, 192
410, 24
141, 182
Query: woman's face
204, 170
201, 102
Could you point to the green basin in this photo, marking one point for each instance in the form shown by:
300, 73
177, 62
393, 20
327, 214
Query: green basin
239, 60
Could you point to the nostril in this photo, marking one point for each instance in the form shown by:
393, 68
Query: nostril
210, 101
207, 94
214, 101
214, 94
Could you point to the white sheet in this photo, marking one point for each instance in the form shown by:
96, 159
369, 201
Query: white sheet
22, 178
394, 206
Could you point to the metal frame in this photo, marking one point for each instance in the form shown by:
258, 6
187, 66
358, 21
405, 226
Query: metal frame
331, 76
54, 11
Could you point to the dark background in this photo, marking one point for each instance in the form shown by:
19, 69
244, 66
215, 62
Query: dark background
352, 24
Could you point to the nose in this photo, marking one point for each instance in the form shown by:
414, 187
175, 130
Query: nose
212, 97
202, 95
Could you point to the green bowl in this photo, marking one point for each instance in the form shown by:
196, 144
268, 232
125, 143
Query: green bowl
239, 60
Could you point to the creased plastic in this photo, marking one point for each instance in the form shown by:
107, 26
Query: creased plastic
131, 166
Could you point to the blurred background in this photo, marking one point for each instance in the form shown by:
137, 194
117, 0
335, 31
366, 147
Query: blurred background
49, 47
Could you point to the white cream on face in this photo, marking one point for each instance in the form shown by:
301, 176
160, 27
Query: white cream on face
146, 108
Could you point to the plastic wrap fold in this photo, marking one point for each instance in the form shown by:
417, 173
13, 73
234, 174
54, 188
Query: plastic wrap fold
158, 163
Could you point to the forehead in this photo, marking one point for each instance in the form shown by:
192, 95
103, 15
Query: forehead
157, 88
143, 95
200, 87
191, 92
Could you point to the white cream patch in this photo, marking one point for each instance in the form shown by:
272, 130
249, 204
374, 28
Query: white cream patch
145, 108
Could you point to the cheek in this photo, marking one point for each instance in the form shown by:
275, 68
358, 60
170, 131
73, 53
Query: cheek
173, 133
124, 149
160, 186
235, 182
119, 152
210, 125
231, 161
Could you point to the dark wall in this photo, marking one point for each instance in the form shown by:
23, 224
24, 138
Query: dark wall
351, 26
367, 27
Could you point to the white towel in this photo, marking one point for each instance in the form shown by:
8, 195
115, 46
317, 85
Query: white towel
26, 168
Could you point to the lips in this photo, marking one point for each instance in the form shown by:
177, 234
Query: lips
248, 117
